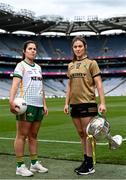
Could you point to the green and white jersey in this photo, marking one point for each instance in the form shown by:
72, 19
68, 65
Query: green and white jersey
31, 86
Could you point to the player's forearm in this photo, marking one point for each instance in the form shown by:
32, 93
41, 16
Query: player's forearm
67, 93
14, 88
101, 95
44, 99
67, 99
12, 93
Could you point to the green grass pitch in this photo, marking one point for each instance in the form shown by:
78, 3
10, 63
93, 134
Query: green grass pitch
58, 138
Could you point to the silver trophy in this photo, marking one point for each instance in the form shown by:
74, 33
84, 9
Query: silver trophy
99, 128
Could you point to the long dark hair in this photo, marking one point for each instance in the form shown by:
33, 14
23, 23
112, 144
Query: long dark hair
25, 46
82, 39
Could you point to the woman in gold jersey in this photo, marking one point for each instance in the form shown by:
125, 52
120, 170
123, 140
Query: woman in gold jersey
84, 78
27, 78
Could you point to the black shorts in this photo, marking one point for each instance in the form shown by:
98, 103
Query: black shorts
83, 110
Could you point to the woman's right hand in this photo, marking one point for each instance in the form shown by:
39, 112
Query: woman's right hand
66, 109
13, 108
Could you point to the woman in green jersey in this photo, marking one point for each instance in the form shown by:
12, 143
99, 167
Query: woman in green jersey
84, 78
27, 83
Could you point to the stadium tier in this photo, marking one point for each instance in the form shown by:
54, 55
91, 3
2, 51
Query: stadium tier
54, 54
54, 51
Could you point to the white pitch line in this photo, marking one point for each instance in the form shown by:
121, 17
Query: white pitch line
57, 141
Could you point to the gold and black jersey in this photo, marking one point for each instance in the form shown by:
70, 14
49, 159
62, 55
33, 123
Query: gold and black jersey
82, 86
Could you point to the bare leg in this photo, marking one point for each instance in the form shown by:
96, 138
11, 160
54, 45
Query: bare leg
78, 124
32, 137
22, 133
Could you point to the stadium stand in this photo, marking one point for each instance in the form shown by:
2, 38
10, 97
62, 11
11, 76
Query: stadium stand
54, 51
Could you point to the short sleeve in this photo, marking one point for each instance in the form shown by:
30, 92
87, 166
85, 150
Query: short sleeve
94, 69
18, 71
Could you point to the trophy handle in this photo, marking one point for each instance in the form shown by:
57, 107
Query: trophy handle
109, 137
110, 140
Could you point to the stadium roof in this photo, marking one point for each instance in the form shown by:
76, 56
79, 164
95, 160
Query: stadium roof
25, 20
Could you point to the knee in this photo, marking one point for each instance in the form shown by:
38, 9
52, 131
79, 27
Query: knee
21, 137
32, 136
81, 134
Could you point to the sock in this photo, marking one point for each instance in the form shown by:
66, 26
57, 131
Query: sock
19, 160
89, 161
85, 157
34, 158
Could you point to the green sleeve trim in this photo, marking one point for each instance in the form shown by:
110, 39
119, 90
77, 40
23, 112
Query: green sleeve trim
17, 75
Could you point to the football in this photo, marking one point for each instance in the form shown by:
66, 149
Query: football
21, 105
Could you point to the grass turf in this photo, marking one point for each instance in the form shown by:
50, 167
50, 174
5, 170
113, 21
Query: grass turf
61, 169
58, 126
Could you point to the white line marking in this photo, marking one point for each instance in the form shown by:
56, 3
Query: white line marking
57, 141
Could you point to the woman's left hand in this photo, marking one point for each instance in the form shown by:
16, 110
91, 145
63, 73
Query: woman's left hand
102, 108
